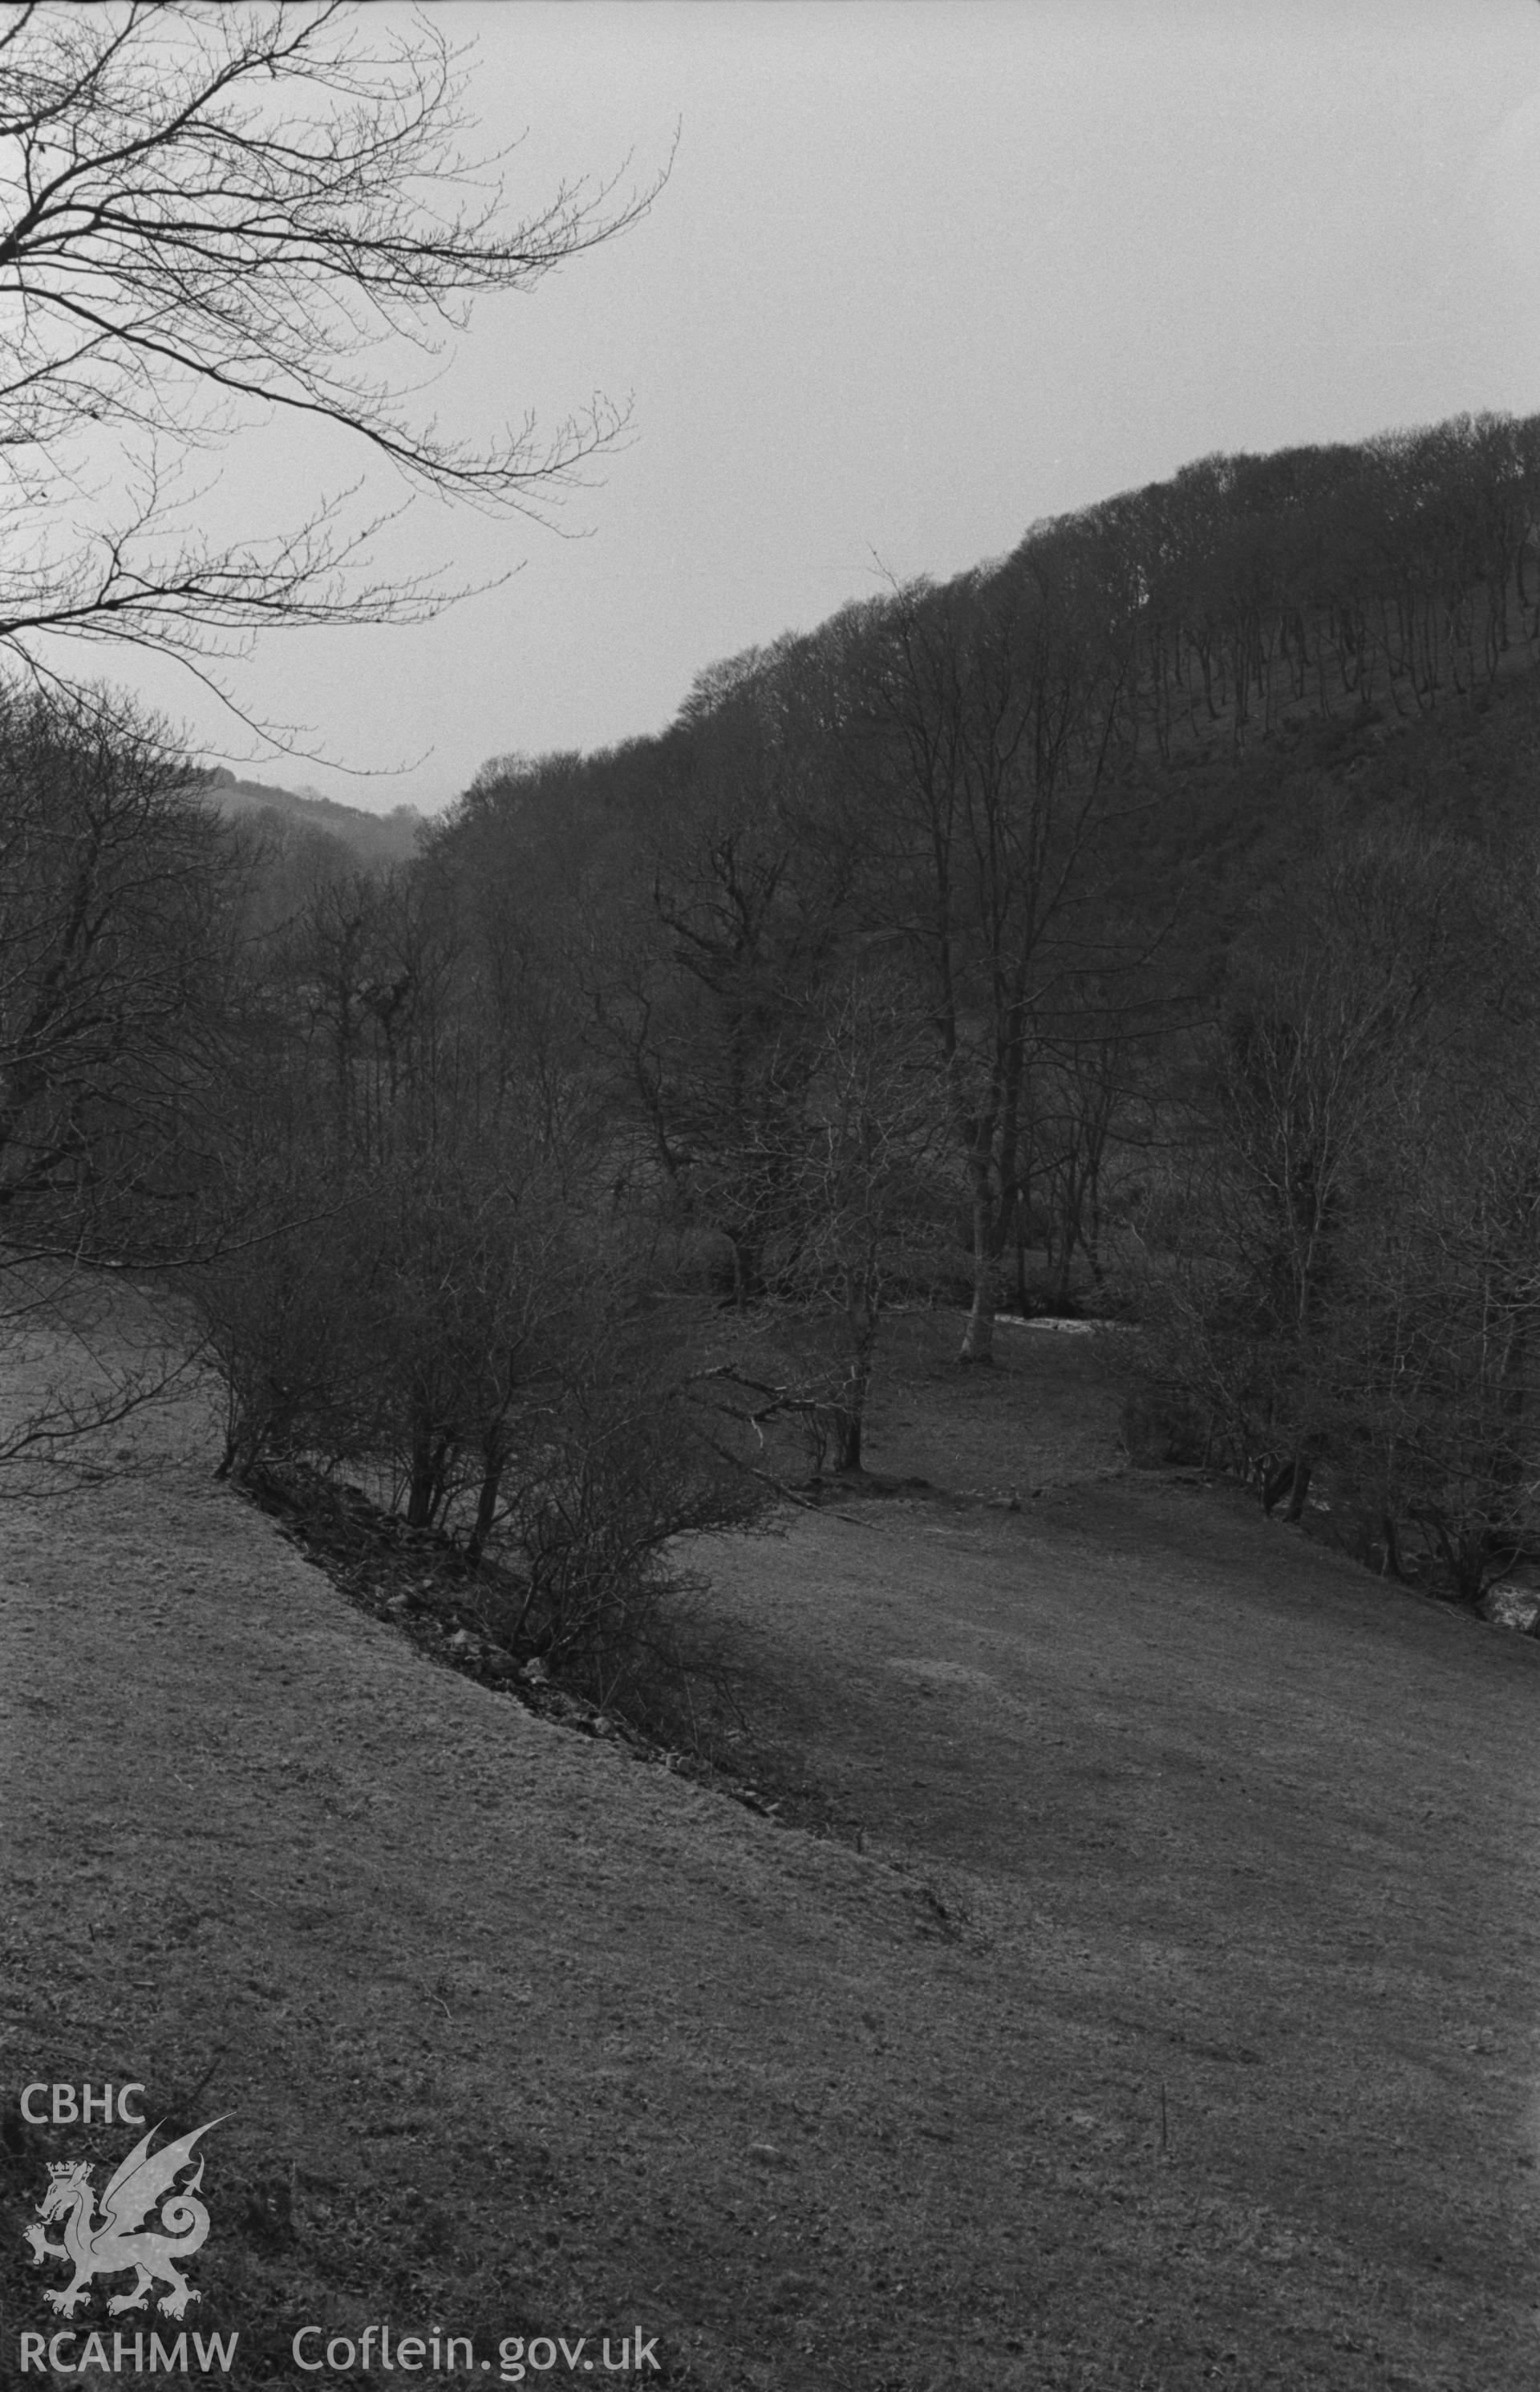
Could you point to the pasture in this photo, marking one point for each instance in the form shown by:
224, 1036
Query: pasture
1149, 2001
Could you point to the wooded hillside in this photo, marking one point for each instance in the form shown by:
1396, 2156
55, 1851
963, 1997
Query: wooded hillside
1141, 923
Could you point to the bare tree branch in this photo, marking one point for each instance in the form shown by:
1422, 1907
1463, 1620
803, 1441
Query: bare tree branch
211, 218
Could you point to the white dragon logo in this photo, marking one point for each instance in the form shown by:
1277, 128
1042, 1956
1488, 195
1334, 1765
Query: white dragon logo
111, 2245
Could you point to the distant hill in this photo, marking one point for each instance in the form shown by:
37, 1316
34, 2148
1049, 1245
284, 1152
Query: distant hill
374, 839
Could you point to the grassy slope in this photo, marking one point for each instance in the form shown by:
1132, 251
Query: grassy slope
1153, 1795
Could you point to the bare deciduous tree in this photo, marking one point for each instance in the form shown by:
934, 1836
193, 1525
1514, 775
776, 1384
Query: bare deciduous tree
209, 216
989, 708
851, 1161
116, 895
119, 893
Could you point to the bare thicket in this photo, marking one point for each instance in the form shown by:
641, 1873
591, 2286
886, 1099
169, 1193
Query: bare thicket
432, 1297
119, 900
853, 1200
1344, 1290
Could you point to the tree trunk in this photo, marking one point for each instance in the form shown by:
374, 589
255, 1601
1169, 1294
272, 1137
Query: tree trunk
1093, 1241
1060, 1299
748, 1278
1302, 1488
486, 1506
978, 1337
848, 1416
427, 1478
1276, 1485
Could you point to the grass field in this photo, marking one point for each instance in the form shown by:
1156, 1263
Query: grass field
1160, 2008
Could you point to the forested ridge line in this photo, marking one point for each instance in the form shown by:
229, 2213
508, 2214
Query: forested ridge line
1246, 594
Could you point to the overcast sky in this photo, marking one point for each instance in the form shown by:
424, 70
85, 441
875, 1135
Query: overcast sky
920, 275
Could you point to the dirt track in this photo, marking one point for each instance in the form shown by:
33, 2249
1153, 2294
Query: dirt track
518, 2034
